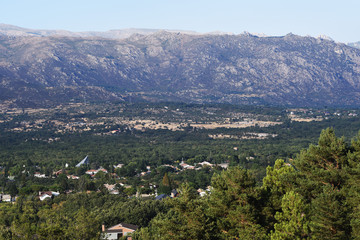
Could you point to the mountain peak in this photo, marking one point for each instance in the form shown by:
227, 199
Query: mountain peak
324, 37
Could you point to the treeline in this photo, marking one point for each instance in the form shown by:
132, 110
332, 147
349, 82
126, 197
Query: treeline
315, 196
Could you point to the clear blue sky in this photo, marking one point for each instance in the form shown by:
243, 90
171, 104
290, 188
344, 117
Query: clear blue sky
338, 19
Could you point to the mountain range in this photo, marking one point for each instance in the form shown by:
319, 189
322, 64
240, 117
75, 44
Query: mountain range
45, 67
355, 44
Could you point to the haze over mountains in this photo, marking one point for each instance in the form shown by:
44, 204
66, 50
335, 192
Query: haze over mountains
40, 67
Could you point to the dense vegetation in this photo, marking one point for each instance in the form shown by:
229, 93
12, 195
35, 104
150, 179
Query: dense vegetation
249, 200
76, 216
314, 196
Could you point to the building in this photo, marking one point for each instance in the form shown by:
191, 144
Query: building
6, 198
39, 175
93, 172
120, 165
161, 197
48, 194
84, 161
117, 231
204, 163
57, 173
174, 193
224, 165
72, 177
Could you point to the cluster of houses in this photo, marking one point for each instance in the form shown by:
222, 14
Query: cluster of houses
112, 189
203, 192
93, 172
186, 166
123, 229
145, 173
174, 193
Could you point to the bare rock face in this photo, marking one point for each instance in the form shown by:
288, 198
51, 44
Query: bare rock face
239, 69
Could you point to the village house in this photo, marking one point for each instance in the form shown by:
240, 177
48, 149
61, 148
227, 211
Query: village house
161, 196
203, 193
111, 188
47, 195
114, 175
186, 166
92, 172
145, 173
120, 165
72, 177
6, 198
223, 165
56, 173
117, 231
171, 166
174, 193
205, 163
39, 175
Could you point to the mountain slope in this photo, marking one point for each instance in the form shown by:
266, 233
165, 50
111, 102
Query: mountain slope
355, 44
240, 69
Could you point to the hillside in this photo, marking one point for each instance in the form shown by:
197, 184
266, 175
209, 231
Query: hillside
167, 66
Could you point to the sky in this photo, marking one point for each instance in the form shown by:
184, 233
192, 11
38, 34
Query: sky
337, 19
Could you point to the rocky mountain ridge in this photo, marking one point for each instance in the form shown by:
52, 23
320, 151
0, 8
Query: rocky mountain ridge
166, 66
355, 44
15, 31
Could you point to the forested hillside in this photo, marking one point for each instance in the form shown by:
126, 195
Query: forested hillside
315, 196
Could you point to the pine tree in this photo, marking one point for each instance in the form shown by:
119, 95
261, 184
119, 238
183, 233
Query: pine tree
186, 219
293, 221
353, 186
86, 226
234, 202
166, 180
278, 181
330, 215
324, 163
165, 186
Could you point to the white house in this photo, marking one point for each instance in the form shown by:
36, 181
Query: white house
39, 175
117, 231
48, 194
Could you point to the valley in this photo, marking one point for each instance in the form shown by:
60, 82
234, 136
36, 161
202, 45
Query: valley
178, 135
